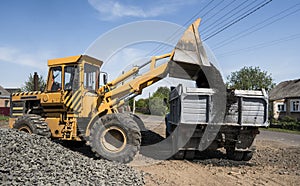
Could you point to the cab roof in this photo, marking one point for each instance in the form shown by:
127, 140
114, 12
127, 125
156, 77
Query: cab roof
74, 59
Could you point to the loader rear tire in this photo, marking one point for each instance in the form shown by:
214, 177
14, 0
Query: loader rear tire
115, 137
32, 124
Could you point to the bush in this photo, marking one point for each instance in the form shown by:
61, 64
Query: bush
143, 110
291, 125
157, 106
288, 119
287, 125
3, 118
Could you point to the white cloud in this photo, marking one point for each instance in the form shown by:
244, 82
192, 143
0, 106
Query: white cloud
124, 60
14, 55
116, 9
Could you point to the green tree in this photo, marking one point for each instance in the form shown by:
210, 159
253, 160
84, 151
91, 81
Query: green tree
162, 92
157, 106
250, 78
142, 106
157, 103
29, 84
142, 103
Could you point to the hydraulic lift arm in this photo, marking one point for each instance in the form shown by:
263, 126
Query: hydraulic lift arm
183, 62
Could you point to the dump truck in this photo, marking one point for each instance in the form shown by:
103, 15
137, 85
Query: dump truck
192, 112
75, 107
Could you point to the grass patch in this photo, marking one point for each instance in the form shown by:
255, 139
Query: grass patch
4, 118
281, 130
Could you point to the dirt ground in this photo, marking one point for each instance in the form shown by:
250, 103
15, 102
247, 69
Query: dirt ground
274, 163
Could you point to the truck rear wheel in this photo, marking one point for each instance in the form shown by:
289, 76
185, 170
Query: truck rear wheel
115, 137
32, 124
247, 156
235, 155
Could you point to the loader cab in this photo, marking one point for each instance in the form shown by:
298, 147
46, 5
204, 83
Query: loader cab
73, 73
72, 82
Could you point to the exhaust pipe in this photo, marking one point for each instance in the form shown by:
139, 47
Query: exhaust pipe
35, 81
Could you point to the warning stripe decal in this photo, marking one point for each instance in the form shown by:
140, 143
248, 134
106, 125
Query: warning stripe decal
72, 102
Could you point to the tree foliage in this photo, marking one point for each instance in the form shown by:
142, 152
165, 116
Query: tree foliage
29, 84
250, 78
156, 104
162, 92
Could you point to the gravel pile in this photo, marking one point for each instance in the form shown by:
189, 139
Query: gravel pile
34, 160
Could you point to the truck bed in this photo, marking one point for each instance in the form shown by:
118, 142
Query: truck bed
194, 106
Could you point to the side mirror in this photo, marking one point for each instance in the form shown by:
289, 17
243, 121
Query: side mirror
105, 79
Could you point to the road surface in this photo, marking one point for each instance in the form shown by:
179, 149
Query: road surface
286, 138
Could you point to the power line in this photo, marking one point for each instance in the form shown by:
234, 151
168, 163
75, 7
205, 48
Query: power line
161, 47
238, 20
220, 10
176, 32
205, 14
261, 45
245, 32
232, 11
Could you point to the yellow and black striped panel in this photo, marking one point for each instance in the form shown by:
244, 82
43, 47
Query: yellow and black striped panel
72, 100
17, 108
26, 93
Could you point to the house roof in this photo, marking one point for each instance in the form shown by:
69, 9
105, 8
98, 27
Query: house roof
13, 90
3, 93
285, 89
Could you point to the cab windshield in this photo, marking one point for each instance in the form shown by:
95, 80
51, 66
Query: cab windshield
71, 77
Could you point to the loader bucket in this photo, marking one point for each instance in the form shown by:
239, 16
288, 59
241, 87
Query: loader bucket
189, 55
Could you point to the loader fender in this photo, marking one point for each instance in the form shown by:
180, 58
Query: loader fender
92, 121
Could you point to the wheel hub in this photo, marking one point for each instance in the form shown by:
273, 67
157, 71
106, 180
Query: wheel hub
113, 139
25, 129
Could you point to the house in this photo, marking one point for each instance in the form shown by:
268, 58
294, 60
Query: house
13, 90
4, 101
4, 97
285, 100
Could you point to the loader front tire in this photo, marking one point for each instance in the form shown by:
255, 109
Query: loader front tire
115, 137
32, 124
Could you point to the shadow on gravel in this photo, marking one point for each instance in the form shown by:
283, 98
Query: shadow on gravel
214, 158
219, 159
77, 146
150, 138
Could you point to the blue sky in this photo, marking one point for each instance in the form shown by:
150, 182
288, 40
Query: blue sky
33, 31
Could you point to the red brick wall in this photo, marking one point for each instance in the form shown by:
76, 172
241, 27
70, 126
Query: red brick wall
4, 111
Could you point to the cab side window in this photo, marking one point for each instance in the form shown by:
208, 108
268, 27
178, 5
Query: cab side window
91, 77
54, 81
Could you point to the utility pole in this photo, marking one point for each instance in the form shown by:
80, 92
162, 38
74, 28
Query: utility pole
133, 109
